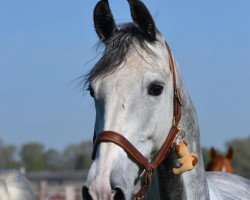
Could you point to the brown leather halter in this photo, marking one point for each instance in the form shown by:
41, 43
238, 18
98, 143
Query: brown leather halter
118, 139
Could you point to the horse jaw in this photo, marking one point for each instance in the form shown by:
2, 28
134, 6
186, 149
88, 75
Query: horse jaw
124, 106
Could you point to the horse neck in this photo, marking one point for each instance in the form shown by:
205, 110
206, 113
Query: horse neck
192, 184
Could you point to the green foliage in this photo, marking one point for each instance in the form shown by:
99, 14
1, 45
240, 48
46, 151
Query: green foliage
7, 156
78, 156
53, 160
33, 156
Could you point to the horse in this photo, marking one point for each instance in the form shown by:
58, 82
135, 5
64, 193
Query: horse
14, 186
220, 162
142, 107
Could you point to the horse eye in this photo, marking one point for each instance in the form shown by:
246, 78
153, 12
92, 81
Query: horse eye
155, 89
91, 92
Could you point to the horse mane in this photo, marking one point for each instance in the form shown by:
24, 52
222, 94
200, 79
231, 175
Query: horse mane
127, 37
14, 185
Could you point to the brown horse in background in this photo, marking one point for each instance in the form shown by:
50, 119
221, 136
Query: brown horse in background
219, 162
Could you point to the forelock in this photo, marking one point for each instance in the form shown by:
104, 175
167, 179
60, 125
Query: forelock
127, 38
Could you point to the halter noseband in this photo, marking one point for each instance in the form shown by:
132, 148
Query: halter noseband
118, 139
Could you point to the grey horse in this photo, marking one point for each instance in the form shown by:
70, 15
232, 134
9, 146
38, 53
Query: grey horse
14, 186
133, 92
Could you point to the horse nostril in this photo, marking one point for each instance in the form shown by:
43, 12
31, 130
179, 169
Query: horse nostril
119, 195
85, 193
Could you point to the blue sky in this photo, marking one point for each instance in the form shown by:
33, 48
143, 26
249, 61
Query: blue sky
46, 45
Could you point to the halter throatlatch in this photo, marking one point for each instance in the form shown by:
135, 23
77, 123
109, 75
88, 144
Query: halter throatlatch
118, 139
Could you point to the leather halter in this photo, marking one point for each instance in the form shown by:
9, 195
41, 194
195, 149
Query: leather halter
118, 139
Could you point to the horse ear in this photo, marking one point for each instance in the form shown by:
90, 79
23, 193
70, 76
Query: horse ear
142, 18
230, 153
212, 153
104, 21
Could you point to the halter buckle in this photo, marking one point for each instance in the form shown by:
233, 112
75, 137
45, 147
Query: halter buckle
148, 176
179, 136
143, 173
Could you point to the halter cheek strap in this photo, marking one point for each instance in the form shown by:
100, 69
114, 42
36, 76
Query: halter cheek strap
118, 139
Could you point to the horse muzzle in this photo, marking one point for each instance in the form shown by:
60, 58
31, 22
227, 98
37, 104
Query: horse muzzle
114, 194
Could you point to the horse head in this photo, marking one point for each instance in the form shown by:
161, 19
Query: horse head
132, 86
220, 162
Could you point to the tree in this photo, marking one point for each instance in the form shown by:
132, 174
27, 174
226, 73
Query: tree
33, 156
7, 156
78, 156
53, 160
84, 159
